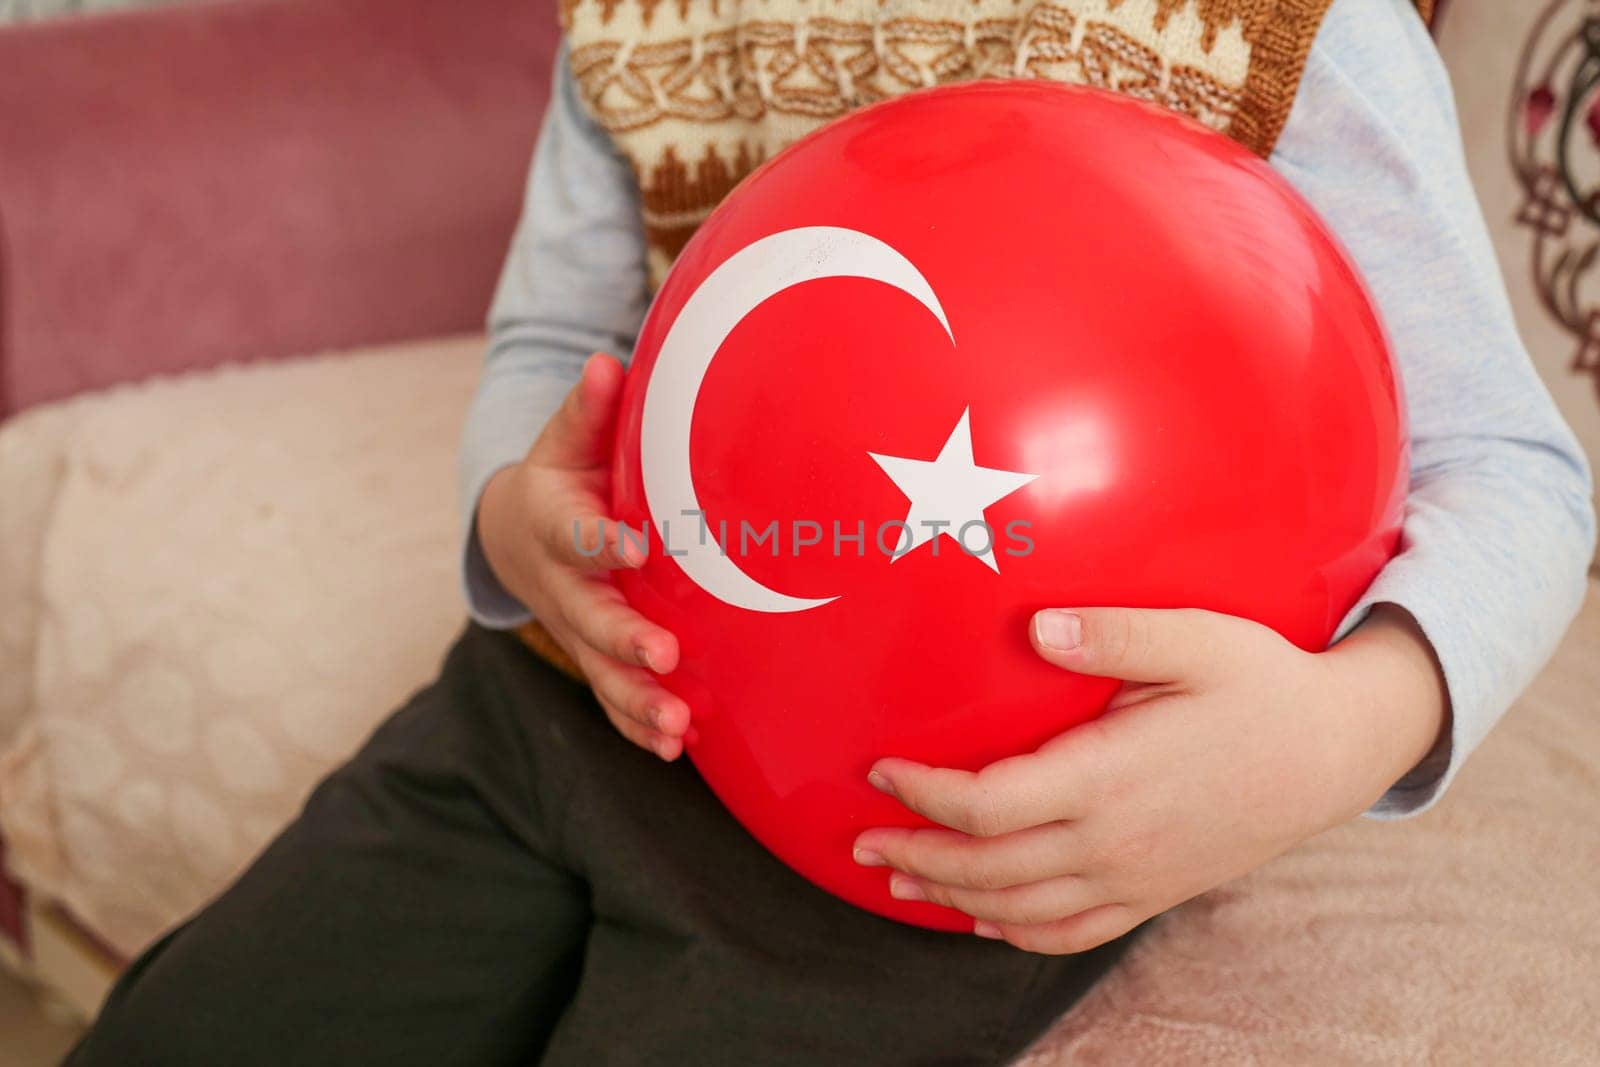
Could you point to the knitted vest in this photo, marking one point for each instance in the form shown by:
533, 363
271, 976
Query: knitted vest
697, 93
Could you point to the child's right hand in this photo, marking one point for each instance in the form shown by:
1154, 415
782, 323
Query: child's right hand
526, 519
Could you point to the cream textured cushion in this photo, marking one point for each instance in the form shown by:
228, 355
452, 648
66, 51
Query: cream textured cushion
216, 586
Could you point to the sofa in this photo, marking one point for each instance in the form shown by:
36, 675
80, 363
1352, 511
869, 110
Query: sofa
245, 256
245, 183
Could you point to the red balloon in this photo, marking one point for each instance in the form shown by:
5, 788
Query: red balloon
1102, 342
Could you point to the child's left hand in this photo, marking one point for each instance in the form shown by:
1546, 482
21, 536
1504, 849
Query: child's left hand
1226, 746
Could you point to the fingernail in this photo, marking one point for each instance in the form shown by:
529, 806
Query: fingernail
642, 654
868, 858
986, 929
1060, 630
906, 889
880, 783
663, 747
655, 717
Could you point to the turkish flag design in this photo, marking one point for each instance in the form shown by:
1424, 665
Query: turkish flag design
1114, 354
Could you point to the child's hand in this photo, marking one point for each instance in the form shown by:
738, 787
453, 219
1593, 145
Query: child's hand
1232, 746
526, 519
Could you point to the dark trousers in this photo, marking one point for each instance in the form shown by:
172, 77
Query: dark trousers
498, 877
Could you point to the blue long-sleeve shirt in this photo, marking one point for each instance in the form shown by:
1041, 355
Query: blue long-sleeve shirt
1499, 527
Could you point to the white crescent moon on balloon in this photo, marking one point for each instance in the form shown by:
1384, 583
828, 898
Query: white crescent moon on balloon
736, 288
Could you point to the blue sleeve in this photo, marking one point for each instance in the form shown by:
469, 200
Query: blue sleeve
574, 284
1499, 527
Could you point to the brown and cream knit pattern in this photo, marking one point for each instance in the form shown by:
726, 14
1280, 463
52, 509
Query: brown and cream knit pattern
697, 93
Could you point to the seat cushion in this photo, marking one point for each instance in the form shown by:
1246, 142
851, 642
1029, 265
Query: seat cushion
226, 579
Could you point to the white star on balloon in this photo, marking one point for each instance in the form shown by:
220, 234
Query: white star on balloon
951, 488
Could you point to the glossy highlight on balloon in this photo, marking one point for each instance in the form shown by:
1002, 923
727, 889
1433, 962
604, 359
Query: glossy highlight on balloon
1119, 351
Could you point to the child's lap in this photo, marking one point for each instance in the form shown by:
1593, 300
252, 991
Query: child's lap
498, 872
707, 949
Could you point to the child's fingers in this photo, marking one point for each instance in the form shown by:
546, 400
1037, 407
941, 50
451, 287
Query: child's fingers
1011, 794
1076, 933
959, 860
601, 618
1155, 645
668, 748
639, 706
1018, 905
589, 541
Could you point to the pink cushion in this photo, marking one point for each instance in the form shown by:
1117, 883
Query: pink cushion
193, 184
